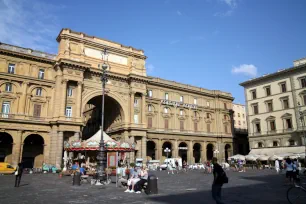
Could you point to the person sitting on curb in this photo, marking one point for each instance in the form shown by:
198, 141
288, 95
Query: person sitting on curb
133, 180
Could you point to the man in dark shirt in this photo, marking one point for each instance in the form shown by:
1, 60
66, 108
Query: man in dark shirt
218, 182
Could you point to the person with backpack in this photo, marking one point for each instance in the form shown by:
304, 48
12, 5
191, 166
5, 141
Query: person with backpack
219, 179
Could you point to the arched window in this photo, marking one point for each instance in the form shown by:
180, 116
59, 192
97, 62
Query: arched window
260, 145
275, 144
166, 110
291, 142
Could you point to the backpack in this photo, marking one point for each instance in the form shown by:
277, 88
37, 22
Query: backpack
223, 178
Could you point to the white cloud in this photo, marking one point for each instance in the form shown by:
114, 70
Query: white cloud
178, 13
246, 69
172, 42
231, 3
150, 68
224, 14
29, 23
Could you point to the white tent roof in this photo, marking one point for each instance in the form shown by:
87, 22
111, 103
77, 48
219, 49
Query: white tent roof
97, 137
279, 151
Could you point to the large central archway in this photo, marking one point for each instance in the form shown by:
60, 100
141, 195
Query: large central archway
183, 151
113, 115
33, 151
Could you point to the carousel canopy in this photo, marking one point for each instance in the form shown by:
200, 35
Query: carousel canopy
237, 156
93, 144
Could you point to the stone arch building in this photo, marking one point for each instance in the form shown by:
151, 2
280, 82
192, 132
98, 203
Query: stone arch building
57, 98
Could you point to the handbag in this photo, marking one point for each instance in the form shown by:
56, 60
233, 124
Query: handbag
129, 182
16, 173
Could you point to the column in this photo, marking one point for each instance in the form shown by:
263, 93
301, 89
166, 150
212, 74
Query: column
132, 154
203, 152
190, 152
76, 136
144, 149
175, 148
79, 100
132, 107
23, 99
53, 145
63, 97
59, 153
16, 149
160, 151
157, 150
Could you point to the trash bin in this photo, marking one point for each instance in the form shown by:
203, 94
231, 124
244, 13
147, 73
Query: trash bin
152, 185
76, 179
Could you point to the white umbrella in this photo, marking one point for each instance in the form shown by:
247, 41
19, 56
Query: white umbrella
263, 158
251, 158
237, 156
272, 158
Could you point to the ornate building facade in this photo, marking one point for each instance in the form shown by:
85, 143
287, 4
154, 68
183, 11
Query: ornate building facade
48, 99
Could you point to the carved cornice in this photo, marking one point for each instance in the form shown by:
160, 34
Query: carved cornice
70, 64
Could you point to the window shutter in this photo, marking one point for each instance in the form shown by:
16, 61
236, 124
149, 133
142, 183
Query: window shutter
166, 124
37, 110
181, 125
149, 122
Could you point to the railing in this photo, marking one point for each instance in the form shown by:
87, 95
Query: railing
273, 132
7, 115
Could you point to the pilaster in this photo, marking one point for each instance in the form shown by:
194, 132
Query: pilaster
144, 149
16, 151
79, 99
132, 97
59, 153
63, 97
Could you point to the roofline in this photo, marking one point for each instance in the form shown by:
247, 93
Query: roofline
269, 76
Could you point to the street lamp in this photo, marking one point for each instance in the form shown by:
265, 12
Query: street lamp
303, 124
216, 152
167, 150
102, 152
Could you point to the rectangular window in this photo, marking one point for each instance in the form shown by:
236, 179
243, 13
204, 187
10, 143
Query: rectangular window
37, 110
166, 96
181, 125
150, 93
225, 106
270, 106
182, 99
255, 109
11, 69
283, 87
136, 102
288, 123
195, 127
254, 94
149, 122
69, 91
208, 127
268, 91
38, 91
8, 87
181, 112
303, 82
272, 126
136, 119
194, 101
239, 122
41, 74
5, 109
150, 107
257, 126
286, 103
238, 115
166, 124
208, 104
69, 111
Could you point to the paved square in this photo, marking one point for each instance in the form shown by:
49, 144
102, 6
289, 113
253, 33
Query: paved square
251, 187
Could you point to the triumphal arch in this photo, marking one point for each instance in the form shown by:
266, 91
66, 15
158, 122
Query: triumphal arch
48, 99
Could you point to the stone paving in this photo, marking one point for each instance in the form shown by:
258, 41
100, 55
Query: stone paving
254, 186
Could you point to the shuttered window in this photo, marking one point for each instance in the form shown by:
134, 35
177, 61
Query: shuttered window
181, 125
37, 110
166, 124
149, 122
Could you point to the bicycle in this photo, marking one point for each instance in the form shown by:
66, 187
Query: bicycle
296, 194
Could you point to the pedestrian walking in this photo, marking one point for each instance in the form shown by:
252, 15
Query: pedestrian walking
18, 174
277, 166
219, 179
170, 168
177, 166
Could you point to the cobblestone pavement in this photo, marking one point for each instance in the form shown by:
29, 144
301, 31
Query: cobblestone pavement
243, 188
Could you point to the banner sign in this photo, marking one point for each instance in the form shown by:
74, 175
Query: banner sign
179, 104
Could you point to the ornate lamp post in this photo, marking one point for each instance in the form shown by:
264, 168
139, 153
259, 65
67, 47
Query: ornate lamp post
303, 124
102, 152
167, 150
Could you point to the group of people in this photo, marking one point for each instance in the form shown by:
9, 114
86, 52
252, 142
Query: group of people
292, 167
138, 177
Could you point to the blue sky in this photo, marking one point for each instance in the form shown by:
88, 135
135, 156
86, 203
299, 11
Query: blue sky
214, 44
